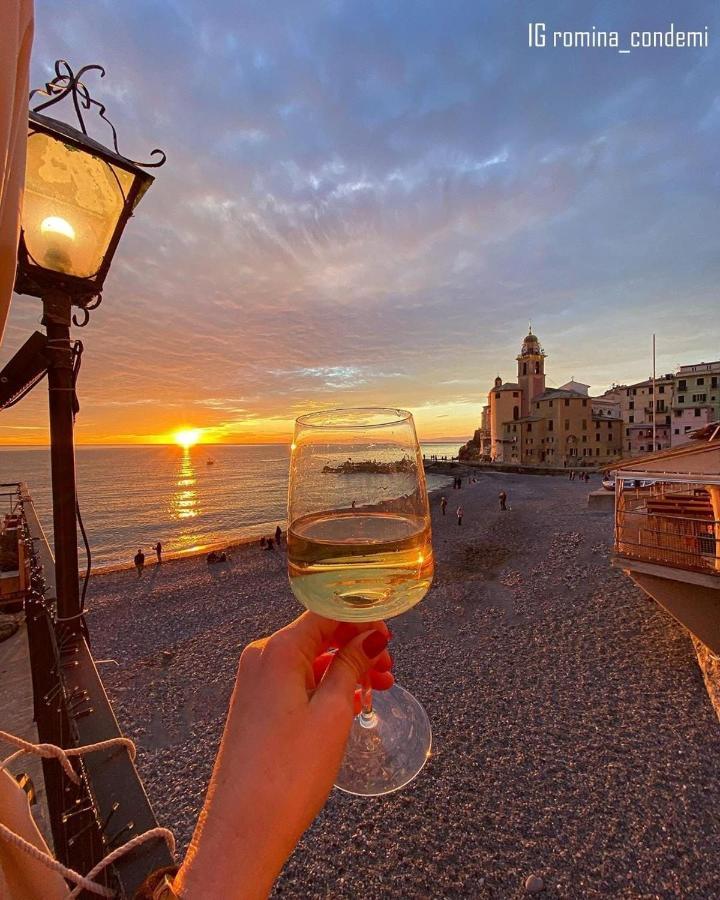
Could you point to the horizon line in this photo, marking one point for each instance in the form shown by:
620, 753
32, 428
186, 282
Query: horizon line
449, 440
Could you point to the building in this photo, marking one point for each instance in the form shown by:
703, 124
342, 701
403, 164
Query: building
533, 425
696, 400
655, 415
639, 407
510, 400
483, 435
564, 429
478, 447
682, 402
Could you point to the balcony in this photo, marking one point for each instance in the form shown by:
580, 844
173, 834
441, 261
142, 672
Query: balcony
667, 539
672, 525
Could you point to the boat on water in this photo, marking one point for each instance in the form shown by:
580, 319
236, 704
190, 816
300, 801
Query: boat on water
210, 461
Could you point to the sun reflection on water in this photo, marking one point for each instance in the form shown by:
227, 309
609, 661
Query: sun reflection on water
184, 503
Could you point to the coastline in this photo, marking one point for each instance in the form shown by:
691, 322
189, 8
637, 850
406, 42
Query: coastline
235, 545
232, 545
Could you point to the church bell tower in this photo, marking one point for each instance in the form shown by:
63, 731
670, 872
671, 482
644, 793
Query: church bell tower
531, 370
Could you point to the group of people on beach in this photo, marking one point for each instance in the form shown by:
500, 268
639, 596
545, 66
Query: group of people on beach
460, 512
139, 558
269, 543
214, 556
583, 476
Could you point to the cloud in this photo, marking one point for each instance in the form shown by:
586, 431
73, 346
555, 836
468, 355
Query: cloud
366, 202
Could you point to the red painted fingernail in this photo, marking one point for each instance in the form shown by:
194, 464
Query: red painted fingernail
374, 644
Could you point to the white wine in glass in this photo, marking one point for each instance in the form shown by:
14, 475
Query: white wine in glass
360, 550
360, 565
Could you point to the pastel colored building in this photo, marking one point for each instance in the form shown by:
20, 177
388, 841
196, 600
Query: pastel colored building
640, 406
533, 425
508, 401
696, 401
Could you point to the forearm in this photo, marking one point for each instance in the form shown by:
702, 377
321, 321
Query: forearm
233, 858
257, 806
238, 847
281, 749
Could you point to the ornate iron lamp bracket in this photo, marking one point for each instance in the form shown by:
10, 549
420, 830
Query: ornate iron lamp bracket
86, 309
67, 84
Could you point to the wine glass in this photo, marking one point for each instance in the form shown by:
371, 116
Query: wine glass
359, 549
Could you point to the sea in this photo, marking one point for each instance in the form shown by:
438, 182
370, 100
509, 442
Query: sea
189, 500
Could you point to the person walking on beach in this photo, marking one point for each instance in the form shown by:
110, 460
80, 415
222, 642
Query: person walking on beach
443, 504
459, 515
502, 496
139, 562
278, 535
158, 551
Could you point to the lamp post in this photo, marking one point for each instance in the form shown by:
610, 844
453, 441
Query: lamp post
78, 198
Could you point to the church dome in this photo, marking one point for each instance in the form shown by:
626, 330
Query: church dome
531, 344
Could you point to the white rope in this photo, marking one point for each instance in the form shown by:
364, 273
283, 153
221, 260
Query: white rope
165, 833
50, 751
85, 882
82, 882
51, 863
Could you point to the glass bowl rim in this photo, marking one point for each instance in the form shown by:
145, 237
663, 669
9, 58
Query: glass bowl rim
399, 416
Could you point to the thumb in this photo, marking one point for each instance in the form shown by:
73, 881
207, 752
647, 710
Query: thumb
349, 667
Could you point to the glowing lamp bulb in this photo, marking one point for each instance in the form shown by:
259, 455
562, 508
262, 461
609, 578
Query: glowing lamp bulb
57, 225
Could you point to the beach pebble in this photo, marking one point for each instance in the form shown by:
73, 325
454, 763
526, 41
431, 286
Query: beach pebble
534, 884
531, 655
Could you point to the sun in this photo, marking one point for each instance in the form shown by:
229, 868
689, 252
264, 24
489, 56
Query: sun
187, 437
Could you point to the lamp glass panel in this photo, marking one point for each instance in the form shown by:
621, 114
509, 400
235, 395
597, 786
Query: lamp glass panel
71, 207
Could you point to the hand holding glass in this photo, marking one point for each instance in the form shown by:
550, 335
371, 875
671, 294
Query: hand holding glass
359, 550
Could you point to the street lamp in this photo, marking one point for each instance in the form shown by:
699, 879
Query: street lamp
78, 198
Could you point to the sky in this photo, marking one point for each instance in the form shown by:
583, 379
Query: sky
367, 201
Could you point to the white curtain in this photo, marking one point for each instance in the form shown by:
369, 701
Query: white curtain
16, 32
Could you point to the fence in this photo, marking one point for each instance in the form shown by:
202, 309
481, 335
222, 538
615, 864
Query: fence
71, 708
668, 524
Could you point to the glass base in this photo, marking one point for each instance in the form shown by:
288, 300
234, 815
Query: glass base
386, 749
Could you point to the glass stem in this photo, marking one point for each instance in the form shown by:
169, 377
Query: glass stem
368, 719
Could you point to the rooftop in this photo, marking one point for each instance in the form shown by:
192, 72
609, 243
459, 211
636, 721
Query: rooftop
559, 394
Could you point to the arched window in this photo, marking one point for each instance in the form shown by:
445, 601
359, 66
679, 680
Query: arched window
537, 368
524, 368
516, 412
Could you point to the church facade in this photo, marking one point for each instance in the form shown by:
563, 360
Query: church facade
530, 424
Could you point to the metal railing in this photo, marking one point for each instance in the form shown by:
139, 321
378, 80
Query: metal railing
670, 525
71, 709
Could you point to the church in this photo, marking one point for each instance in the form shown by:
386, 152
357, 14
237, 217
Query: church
528, 424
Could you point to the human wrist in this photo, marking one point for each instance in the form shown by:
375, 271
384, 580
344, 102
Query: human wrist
233, 856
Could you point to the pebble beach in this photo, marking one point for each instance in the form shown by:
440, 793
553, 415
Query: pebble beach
576, 752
